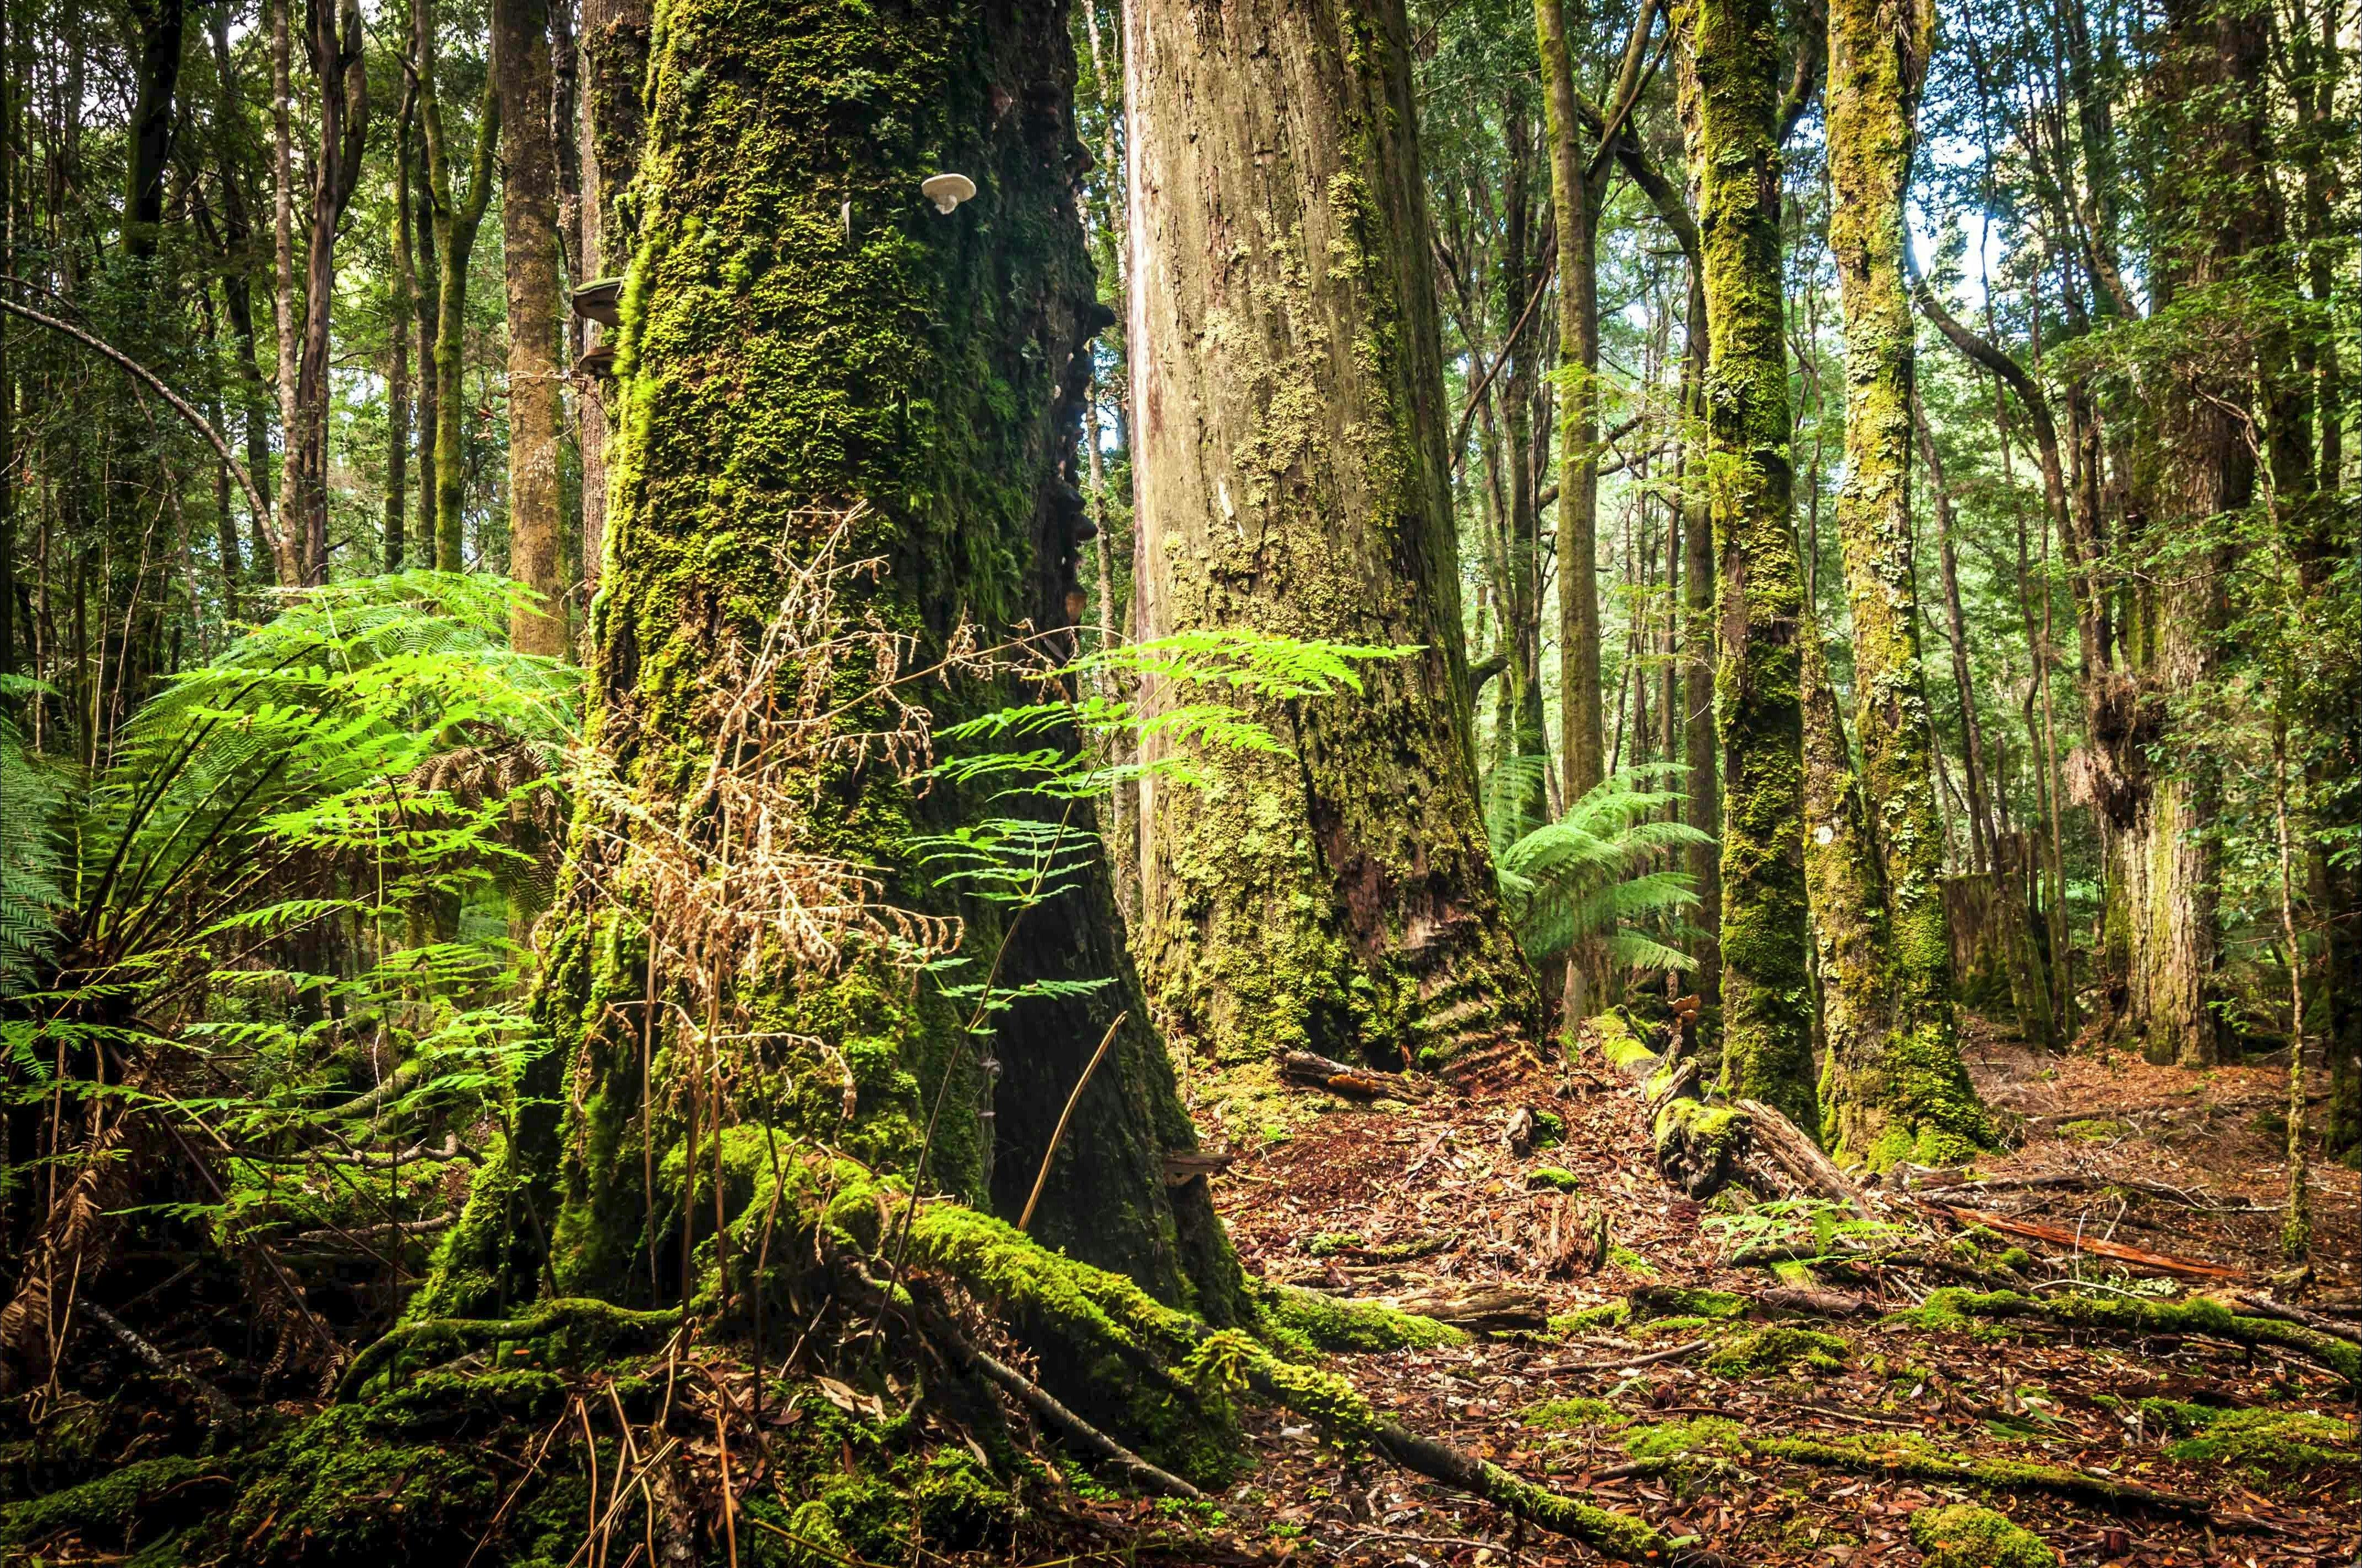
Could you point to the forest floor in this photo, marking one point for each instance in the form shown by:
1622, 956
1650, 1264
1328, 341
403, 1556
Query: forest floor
1339, 1197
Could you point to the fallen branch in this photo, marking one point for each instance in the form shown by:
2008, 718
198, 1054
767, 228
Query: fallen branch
2115, 1252
1617, 1364
2002, 1475
1699, 1145
1930, 1260
2079, 1182
216, 1403
2322, 1322
1788, 1147
1340, 1077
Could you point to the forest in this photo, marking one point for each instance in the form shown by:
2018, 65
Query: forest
889, 783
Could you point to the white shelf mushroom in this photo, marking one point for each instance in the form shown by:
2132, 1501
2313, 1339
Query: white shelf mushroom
946, 191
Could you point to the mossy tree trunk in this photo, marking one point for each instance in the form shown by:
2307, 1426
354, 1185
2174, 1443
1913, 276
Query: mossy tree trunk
1902, 1091
808, 345
456, 216
615, 64
1730, 103
1288, 408
2218, 220
530, 258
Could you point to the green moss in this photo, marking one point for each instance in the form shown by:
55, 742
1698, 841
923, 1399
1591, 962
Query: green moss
115, 1508
1568, 1415
1776, 1347
2269, 1444
1329, 1244
1308, 1319
1702, 1436
1549, 1129
1554, 1179
1965, 1536
1687, 1301
1608, 1315
2096, 1130
1630, 1262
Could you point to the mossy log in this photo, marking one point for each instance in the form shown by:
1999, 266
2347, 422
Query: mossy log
1699, 1144
2138, 1315
455, 1335
1905, 1458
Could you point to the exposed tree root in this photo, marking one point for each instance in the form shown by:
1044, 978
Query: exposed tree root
459, 1334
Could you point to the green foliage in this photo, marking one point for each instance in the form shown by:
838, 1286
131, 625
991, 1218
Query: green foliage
33, 856
1586, 880
298, 872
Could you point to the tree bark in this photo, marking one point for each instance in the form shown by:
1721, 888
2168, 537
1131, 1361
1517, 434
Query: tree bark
282, 298
1906, 1095
403, 306
816, 348
456, 217
615, 48
529, 250
1291, 477
1730, 101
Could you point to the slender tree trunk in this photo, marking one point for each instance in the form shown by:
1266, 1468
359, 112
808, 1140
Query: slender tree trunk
529, 247
335, 49
1698, 659
1291, 477
405, 300
457, 218
237, 291
1577, 220
1731, 104
426, 304
283, 297
2028, 987
957, 355
614, 49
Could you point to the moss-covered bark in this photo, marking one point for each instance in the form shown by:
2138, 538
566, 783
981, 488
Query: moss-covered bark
1900, 1091
1291, 477
1729, 111
805, 341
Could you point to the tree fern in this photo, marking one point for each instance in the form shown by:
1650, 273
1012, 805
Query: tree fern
32, 849
1587, 881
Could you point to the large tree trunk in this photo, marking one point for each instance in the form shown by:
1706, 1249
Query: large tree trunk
814, 348
1730, 108
2217, 219
1903, 1094
529, 250
1292, 478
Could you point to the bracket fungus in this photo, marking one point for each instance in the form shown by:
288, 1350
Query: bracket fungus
946, 191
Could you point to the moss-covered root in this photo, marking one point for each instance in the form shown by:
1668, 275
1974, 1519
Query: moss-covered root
458, 1334
1912, 1462
1699, 1145
1966, 1536
1618, 1537
2127, 1314
1233, 1358
1304, 1321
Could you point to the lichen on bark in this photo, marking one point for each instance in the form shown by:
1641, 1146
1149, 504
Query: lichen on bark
1730, 98
1291, 479
1895, 1088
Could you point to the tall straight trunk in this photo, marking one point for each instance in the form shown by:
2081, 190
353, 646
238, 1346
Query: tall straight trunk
1575, 209
8, 665
2218, 221
529, 250
1291, 476
237, 291
956, 357
1731, 98
282, 295
614, 49
1702, 782
456, 217
405, 301
162, 25
1907, 1095
425, 294
336, 52
2029, 987
1844, 879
